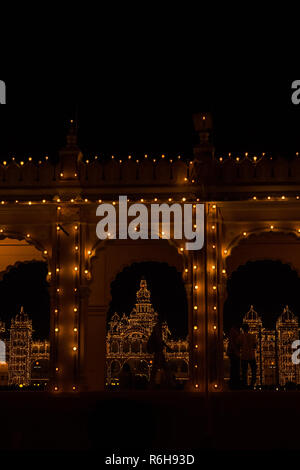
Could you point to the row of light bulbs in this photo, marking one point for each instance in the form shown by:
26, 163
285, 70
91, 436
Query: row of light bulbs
86, 200
79, 200
95, 158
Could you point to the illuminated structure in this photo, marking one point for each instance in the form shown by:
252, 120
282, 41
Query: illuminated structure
48, 213
127, 339
274, 350
26, 360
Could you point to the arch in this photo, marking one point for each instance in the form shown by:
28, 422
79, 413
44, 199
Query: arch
110, 258
260, 244
15, 250
268, 285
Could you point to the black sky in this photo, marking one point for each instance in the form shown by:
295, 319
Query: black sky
131, 111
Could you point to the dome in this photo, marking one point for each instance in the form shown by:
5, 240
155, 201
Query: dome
287, 315
251, 315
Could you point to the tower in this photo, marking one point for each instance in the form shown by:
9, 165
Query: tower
288, 331
19, 364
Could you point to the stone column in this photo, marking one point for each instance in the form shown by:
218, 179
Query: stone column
67, 309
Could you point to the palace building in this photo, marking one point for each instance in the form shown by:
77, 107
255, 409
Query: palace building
274, 348
127, 338
23, 361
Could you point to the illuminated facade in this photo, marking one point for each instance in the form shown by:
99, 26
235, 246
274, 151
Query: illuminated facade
274, 348
48, 213
26, 360
127, 339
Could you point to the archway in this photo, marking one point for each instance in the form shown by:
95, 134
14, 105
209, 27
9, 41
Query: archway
24, 310
140, 294
111, 257
258, 293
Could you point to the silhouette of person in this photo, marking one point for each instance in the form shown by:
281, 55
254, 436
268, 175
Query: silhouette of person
159, 372
125, 377
233, 352
248, 346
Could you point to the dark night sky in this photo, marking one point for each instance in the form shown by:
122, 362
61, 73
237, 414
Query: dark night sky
128, 111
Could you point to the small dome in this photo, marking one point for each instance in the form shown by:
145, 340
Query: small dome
287, 315
251, 315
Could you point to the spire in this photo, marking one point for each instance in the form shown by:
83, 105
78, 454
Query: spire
203, 148
70, 155
143, 294
72, 135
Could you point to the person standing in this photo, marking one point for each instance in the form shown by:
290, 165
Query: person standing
233, 352
248, 345
156, 345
